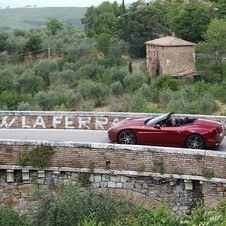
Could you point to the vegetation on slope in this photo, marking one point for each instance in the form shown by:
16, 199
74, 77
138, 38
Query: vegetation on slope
72, 206
61, 68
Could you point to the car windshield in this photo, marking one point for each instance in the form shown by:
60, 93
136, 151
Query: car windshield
154, 121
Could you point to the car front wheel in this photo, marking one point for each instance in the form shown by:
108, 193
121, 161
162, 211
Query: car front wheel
127, 137
195, 142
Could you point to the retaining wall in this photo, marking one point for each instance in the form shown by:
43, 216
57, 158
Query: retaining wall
153, 174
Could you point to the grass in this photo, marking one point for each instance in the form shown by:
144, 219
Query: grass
27, 18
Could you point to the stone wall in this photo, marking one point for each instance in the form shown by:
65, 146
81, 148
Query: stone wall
147, 190
174, 60
170, 59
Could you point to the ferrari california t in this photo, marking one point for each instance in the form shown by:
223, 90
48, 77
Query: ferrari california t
168, 130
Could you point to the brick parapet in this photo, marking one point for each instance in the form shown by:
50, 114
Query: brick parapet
123, 157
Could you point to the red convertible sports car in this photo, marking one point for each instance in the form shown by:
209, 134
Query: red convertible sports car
168, 130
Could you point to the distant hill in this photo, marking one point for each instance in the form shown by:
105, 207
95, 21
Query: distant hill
27, 18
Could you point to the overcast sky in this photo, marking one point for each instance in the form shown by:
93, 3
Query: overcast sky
56, 3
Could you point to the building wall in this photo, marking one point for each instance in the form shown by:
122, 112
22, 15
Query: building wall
170, 60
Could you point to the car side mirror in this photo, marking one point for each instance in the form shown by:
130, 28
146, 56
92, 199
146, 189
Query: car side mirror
157, 126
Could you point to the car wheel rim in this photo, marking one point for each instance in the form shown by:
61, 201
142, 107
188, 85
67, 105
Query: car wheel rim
195, 143
127, 138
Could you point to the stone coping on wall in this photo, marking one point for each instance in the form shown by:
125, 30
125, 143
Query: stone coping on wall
75, 113
115, 172
101, 114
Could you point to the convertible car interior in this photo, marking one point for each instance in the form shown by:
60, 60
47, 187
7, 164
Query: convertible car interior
178, 121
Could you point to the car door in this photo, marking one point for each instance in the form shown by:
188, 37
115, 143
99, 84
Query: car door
165, 136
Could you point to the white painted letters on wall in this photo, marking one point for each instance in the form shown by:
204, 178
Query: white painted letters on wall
115, 121
5, 123
56, 121
24, 123
39, 122
84, 122
69, 122
100, 121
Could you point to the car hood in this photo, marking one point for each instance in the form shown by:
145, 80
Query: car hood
133, 121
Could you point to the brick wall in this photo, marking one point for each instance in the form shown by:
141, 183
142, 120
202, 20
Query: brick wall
123, 157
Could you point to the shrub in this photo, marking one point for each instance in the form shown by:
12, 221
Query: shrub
208, 173
8, 217
159, 217
71, 206
200, 216
134, 81
135, 102
117, 88
39, 156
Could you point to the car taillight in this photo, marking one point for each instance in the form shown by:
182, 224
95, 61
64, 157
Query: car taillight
220, 130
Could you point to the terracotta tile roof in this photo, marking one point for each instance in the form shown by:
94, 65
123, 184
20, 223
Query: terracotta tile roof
186, 73
169, 41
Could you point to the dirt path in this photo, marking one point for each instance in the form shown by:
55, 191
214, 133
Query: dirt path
136, 63
222, 108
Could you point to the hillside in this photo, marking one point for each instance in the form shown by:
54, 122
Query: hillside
26, 18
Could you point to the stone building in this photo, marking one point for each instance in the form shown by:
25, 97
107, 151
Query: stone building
170, 56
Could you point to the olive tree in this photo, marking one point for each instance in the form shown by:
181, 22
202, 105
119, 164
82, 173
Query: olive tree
45, 68
53, 25
134, 81
93, 91
28, 82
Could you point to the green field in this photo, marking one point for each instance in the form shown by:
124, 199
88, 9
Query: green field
26, 18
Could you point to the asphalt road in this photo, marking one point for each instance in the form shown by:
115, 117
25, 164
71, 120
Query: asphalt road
96, 136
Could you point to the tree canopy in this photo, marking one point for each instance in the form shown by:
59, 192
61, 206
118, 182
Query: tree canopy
140, 25
101, 19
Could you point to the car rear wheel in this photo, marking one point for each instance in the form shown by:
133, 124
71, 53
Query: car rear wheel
127, 137
195, 142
